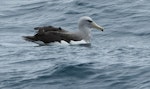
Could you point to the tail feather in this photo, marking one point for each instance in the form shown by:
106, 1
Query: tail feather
30, 38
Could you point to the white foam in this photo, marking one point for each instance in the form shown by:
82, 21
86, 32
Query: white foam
59, 43
78, 42
66, 1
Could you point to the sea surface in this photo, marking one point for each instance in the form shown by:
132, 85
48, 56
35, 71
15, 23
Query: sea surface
118, 58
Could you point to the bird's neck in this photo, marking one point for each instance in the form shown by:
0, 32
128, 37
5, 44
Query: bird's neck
85, 33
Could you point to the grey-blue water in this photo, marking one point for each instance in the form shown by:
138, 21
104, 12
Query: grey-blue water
118, 58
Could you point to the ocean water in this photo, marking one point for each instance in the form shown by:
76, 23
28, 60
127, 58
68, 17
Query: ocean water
118, 58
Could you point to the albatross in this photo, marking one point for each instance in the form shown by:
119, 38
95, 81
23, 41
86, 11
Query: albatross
50, 34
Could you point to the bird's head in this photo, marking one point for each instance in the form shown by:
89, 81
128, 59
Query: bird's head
87, 22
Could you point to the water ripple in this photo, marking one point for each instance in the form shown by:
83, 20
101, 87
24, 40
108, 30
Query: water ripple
117, 58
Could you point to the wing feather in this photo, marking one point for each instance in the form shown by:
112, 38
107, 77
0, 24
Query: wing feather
48, 34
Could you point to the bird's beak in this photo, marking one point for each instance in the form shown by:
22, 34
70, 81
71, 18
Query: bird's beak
97, 26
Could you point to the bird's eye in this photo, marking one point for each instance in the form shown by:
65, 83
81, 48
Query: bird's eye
90, 21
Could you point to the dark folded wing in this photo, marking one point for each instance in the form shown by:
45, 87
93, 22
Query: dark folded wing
53, 36
49, 28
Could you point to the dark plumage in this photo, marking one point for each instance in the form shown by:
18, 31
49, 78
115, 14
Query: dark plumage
48, 34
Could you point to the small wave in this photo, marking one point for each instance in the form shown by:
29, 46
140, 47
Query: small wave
31, 61
81, 3
143, 34
129, 33
78, 71
74, 71
66, 1
32, 4
23, 9
73, 12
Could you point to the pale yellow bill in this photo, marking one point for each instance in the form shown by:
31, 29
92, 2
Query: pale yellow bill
97, 26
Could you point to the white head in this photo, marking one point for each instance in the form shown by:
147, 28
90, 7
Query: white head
85, 24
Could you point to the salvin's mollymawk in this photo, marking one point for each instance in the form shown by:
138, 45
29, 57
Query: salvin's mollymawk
49, 34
